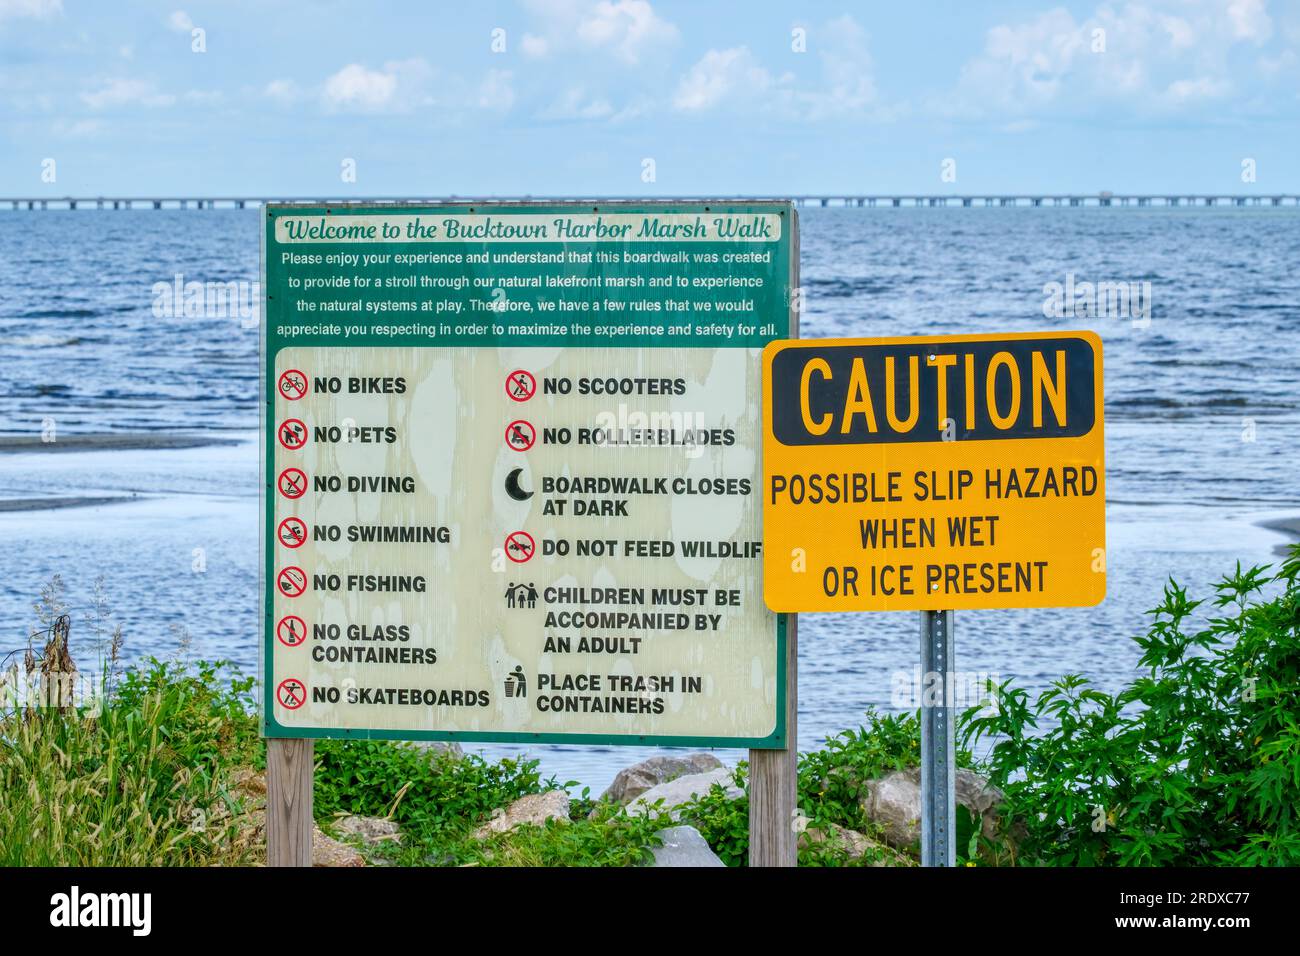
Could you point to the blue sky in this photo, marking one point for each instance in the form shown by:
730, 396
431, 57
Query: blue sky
724, 98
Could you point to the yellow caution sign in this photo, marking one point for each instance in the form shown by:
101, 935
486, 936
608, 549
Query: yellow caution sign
935, 472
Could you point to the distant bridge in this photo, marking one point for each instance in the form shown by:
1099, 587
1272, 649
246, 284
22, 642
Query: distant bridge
1059, 199
833, 199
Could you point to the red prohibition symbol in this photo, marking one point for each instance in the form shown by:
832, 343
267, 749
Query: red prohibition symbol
292, 384
292, 693
291, 581
293, 433
520, 435
291, 631
520, 385
520, 546
292, 483
292, 532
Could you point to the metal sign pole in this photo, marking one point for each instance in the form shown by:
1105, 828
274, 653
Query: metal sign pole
938, 742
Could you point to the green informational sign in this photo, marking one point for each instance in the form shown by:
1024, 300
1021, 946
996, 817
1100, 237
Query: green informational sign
512, 471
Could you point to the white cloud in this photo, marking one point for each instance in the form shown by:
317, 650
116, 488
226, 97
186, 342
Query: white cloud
1200, 88
1140, 55
180, 22
496, 91
125, 92
356, 88
1250, 20
720, 76
574, 104
841, 81
1285, 60
629, 30
283, 92
1181, 34
79, 129
534, 46
203, 97
404, 86
30, 9
848, 84
1026, 63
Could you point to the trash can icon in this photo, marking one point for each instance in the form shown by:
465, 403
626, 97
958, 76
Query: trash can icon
516, 683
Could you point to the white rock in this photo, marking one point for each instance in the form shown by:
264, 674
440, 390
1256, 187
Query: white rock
684, 846
856, 845
438, 747
372, 830
326, 851
635, 780
674, 793
894, 802
534, 809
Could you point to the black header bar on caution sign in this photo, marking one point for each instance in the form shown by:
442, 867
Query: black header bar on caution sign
889, 393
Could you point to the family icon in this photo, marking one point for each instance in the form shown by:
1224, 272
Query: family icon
521, 595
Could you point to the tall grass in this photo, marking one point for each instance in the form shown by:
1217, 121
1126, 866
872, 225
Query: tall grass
141, 778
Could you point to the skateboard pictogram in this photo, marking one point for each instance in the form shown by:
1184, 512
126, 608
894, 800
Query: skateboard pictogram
292, 693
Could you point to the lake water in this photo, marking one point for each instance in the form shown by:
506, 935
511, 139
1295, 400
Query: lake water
1202, 422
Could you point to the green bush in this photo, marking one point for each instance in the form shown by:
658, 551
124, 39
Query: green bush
831, 778
439, 799
609, 838
723, 821
425, 791
1196, 763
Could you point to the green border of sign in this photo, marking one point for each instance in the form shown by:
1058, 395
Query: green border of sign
270, 726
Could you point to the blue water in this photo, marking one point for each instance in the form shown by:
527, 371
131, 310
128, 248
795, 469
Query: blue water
1217, 364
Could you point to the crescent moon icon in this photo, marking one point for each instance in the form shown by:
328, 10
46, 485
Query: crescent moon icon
512, 486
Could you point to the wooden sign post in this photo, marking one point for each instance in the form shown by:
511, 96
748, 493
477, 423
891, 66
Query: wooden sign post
773, 778
774, 774
289, 821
